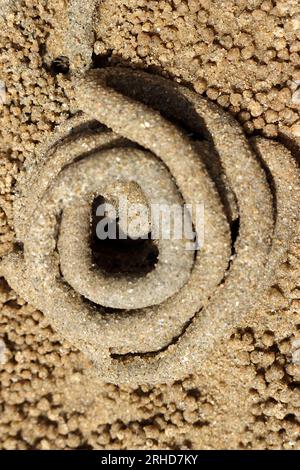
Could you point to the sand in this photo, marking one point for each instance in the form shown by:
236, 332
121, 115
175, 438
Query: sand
162, 387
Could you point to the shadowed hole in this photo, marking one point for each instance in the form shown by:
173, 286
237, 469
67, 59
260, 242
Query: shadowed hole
101, 60
137, 257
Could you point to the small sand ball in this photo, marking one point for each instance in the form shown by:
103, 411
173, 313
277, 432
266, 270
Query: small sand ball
271, 116
235, 99
200, 85
100, 48
255, 108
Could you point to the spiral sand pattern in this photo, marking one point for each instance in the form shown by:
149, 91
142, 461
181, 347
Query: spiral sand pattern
152, 140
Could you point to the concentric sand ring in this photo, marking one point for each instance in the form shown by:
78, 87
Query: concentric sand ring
159, 142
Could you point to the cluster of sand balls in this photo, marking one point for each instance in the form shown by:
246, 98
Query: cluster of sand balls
40, 374
43, 377
38, 367
243, 55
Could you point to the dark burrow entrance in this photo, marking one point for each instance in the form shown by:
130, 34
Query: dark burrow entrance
122, 256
